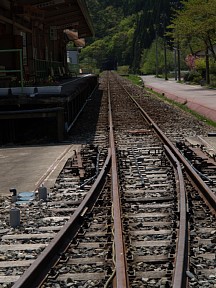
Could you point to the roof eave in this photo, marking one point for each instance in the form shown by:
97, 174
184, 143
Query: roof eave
84, 9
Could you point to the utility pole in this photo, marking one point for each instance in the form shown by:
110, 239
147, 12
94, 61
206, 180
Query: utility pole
175, 63
179, 63
165, 60
163, 17
156, 51
177, 5
207, 66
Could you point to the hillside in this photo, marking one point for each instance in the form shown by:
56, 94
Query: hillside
123, 28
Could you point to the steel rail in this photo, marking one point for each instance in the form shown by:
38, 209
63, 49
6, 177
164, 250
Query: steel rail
205, 192
120, 254
181, 260
35, 275
181, 263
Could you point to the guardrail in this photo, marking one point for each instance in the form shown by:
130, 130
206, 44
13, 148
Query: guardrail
44, 68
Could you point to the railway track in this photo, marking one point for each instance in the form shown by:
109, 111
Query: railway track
133, 227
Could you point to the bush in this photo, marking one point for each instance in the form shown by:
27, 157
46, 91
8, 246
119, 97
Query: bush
123, 70
148, 59
212, 67
193, 76
213, 80
200, 64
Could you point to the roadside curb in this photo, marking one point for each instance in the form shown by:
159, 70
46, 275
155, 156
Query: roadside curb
200, 109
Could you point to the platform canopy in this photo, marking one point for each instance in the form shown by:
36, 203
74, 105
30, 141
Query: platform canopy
59, 14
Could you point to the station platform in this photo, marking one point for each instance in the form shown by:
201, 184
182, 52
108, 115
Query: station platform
42, 111
197, 98
26, 168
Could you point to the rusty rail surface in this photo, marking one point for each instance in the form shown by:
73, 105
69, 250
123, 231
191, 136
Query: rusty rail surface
181, 263
37, 272
120, 253
205, 192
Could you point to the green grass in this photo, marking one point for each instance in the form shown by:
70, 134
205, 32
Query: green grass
134, 79
183, 107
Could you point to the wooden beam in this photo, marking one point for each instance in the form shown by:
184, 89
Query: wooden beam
36, 2
64, 9
8, 20
63, 21
70, 15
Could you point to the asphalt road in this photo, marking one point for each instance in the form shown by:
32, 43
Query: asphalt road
197, 98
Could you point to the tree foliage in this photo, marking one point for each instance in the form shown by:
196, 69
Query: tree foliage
195, 24
152, 20
116, 44
125, 30
148, 58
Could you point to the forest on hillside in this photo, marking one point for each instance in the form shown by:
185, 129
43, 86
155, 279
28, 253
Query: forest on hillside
123, 28
148, 36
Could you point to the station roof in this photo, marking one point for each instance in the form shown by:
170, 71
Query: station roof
61, 14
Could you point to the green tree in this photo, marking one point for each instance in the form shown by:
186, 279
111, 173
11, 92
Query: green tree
97, 50
196, 23
151, 20
126, 27
120, 45
148, 58
105, 17
117, 45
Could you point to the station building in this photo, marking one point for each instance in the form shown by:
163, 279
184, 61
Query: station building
34, 35
33, 63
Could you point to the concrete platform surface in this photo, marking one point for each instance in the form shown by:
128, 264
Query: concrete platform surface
26, 168
195, 97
